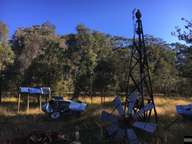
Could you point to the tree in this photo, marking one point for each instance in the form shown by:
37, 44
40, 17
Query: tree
88, 54
85, 61
104, 75
3, 34
184, 57
29, 44
162, 62
47, 68
185, 35
6, 54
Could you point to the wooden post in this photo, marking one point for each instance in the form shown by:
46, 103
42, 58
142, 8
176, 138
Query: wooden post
0, 93
28, 103
40, 102
46, 98
18, 104
101, 98
104, 98
91, 99
50, 95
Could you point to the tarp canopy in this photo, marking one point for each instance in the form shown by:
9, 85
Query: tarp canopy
35, 90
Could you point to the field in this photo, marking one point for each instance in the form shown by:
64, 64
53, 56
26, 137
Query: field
16, 127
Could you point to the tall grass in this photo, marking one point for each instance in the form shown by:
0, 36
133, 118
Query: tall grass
14, 125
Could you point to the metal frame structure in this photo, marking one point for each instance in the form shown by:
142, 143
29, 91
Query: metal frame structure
139, 79
136, 111
36, 91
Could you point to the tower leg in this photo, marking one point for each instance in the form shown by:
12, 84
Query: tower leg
28, 103
18, 103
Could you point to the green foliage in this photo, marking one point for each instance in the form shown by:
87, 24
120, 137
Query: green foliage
104, 75
92, 47
48, 67
29, 43
162, 64
6, 53
184, 58
63, 87
38, 53
3, 34
88, 61
6, 57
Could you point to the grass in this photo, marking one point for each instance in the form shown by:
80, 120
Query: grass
15, 125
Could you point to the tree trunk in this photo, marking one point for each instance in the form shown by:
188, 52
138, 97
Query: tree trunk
0, 94
0, 91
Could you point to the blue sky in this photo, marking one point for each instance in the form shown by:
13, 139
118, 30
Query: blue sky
110, 16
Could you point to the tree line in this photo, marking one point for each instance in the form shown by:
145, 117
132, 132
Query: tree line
89, 61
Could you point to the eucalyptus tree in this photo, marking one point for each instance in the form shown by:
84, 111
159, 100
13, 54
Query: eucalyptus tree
184, 57
6, 53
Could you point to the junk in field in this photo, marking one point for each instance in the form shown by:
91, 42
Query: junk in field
122, 126
57, 107
44, 137
184, 110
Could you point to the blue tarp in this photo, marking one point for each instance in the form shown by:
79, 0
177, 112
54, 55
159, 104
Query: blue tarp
35, 90
24, 90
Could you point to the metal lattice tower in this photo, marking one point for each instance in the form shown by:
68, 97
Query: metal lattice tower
139, 80
139, 103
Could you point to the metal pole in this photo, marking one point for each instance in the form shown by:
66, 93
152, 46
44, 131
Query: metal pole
40, 102
28, 103
139, 74
18, 104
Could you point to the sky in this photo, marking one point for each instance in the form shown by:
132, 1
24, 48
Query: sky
109, 16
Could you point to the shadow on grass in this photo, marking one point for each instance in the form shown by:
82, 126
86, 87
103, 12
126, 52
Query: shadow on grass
13, 106
20, 125
172, 129
16, 125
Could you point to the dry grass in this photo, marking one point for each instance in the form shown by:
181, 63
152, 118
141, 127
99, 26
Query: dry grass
166, 105
14, 125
